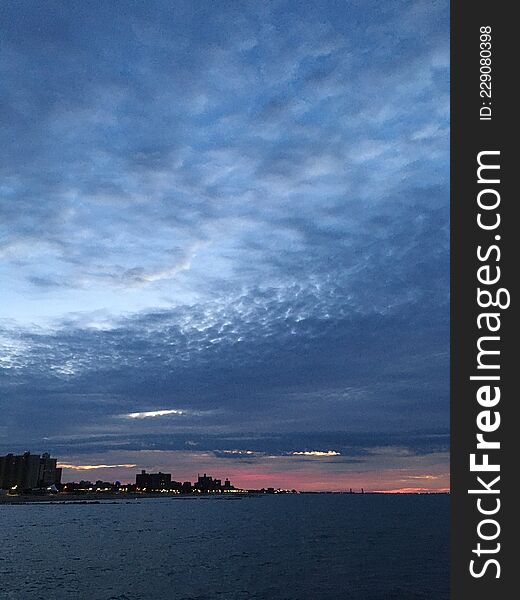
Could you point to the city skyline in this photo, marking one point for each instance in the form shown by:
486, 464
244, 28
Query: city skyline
225, 240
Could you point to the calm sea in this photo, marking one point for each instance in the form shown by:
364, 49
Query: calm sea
294, 547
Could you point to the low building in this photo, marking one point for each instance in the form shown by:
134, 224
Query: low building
153, 481
206, 483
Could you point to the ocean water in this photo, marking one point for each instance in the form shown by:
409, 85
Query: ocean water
293, 547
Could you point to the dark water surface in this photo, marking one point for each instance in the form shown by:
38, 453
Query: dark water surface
294, 547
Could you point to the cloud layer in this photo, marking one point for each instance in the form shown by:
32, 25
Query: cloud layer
225, 223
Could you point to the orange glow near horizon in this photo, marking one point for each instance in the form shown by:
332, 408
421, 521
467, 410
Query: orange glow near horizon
67, 467
417, 490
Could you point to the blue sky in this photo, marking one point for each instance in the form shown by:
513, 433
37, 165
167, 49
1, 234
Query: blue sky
225, 238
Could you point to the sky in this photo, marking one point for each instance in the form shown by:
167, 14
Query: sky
225, 240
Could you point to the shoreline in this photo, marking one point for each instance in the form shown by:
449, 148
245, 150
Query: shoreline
103, 498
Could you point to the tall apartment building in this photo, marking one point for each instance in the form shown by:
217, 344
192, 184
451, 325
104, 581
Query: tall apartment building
27, 471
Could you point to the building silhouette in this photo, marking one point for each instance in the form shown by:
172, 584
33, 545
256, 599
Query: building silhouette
158, 482
39, 473
28, 471
206, 483
153, 481
50, 473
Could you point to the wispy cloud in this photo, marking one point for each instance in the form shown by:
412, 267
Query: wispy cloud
155, 413
94, 467
255, 225
318, 453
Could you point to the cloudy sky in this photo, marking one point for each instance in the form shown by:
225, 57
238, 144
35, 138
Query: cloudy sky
225, 240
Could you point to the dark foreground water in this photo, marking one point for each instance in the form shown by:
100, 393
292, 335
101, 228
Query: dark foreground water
303, 547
